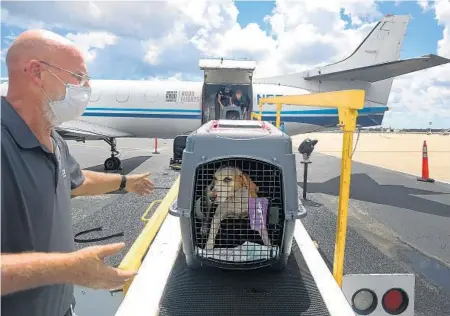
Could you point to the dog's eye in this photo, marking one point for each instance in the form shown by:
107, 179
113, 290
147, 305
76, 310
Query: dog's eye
227, 179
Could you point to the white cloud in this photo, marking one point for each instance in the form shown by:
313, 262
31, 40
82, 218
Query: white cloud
443, 17
167, 39
309, 33
7, 40
17, 20
424, 4
89, 42
418, 97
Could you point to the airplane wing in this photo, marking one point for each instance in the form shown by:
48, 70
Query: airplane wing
83, 130
382, 71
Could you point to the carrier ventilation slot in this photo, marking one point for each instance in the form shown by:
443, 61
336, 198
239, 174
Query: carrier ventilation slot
247, 194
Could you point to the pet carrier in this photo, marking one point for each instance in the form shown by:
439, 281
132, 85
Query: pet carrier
238, 198
231, 112
178, 146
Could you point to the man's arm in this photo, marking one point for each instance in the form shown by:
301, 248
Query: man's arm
33, 269
97, 183
219, 99
84, 267
85, 182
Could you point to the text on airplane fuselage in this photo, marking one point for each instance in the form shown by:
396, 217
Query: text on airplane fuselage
189, 96
259, 96
181, 96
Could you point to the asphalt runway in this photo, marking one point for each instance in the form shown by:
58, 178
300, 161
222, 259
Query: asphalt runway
396, 224
117, 212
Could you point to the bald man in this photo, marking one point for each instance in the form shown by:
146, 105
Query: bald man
48, 85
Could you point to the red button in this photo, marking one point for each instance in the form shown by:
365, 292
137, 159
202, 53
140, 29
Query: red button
393, 300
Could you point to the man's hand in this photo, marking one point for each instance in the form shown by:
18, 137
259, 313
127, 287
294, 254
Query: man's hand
139, 184
85, 267
89, 270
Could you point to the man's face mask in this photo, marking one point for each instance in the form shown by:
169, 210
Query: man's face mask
71, 106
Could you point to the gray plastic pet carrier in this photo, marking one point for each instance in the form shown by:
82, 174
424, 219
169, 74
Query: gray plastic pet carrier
231, 112
238, 198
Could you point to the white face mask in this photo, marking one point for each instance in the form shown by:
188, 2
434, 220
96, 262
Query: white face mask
71, 106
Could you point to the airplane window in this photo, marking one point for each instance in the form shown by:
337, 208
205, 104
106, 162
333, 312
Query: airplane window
123, 94
95, 95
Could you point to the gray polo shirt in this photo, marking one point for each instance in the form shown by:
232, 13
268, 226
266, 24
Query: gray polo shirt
36, 211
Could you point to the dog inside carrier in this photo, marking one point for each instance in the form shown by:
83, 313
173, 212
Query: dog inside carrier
238, 212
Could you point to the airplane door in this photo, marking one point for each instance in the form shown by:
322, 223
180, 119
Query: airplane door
223, 78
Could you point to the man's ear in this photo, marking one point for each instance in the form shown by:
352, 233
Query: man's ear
34, 69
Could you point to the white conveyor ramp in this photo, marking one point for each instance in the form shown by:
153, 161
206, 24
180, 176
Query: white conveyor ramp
165, 286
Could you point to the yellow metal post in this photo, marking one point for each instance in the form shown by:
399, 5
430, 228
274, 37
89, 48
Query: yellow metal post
260, 111
347, 119
278, 117
257, 116
348, 102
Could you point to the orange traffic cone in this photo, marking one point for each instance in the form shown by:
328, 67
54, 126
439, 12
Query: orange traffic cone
425, 171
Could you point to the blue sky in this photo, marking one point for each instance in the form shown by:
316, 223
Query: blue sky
144, 51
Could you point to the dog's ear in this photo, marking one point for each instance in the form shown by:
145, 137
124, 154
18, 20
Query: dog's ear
248, 183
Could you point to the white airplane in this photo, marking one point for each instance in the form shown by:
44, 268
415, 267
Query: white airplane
165, 109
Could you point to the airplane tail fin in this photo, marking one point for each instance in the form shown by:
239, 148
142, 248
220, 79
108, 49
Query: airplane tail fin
382, 44
372, 66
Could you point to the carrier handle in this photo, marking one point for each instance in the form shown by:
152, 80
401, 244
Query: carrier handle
301, 210
175, 211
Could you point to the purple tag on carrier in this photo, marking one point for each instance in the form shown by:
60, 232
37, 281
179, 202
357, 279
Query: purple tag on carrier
257, 213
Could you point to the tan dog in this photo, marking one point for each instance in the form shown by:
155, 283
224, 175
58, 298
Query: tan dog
232, 189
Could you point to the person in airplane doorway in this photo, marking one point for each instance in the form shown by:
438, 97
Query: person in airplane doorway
223, 98
48, 85
242, 101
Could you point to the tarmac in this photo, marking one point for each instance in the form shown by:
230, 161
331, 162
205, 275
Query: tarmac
394, 151
396, 224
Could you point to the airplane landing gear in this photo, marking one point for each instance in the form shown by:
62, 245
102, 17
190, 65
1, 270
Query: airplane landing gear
112, 163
